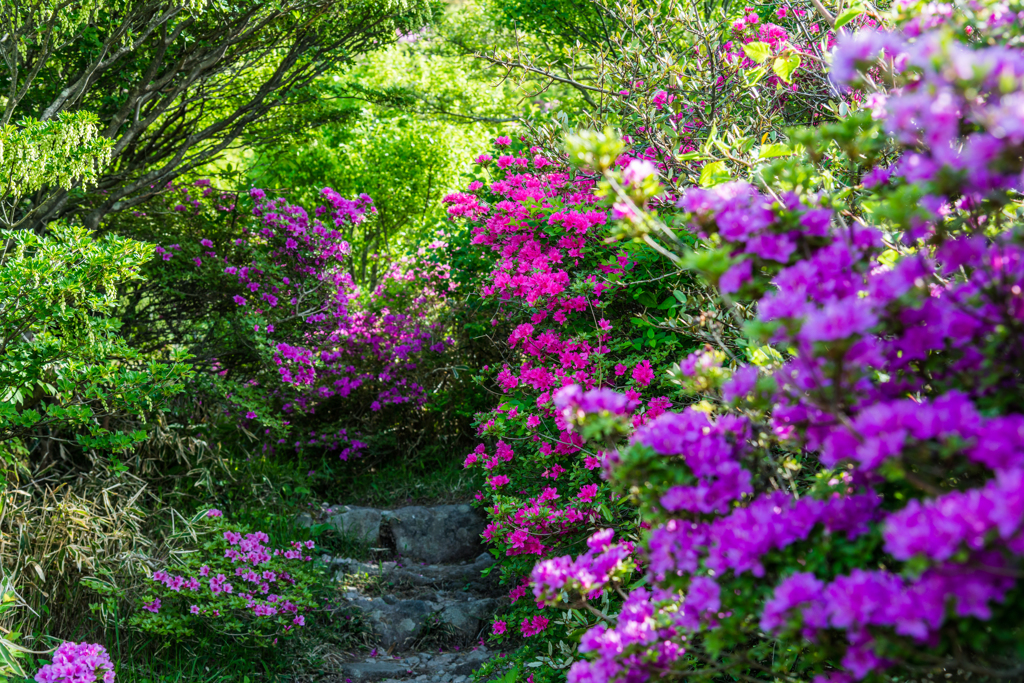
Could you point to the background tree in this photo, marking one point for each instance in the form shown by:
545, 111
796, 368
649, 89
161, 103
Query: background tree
173, 85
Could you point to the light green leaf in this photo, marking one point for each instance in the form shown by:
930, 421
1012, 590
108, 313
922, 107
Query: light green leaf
849, 15
785, 66
714, 173
774, 150
758, 51
754, 76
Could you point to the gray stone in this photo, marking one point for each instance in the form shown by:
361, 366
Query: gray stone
427, 575
361, 524
373, 671
395, 625
468, 616
471, 662
444, 533
442, 660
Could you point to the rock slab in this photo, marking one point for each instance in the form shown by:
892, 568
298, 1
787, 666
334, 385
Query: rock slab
436, 535
397, 624
361, 524
449, 667
432, 575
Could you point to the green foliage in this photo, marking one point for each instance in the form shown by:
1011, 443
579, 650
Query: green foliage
63, 363
400, 125
172, 88
406, 164
284, 581
59, 152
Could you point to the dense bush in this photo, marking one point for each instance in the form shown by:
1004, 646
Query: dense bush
290, 350
234, 584
575, 306
841, 496
67, 371
845, 501
557, 286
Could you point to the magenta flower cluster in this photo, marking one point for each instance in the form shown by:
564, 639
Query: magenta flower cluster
240, 579
77, 663
863, 337
287, 276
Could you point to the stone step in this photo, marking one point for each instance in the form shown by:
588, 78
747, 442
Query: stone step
397, 624
432, 591
466, 576
439, 534
448, 667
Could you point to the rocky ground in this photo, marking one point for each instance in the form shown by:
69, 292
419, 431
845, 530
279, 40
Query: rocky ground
424, 596
444, 667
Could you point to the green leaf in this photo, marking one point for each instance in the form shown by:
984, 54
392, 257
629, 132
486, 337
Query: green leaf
754, 76
785, 66
849, 15
647, 300
774, 150
714, 173
758, 51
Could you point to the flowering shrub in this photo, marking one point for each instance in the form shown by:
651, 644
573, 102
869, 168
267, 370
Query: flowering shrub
294, 353
77, 663
233, 584
556, 286
841, 498
845, 502
576, 308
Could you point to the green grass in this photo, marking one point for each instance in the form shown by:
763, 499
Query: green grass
391, 484
142, 658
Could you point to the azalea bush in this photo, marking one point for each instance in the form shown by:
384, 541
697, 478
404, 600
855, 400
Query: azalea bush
557, 285
290, 350
577, 304
232, 585
840, 496
844, 501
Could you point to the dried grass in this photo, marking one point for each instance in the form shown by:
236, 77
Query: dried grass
63, 540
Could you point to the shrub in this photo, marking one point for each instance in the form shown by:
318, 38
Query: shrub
557, 285
67, 370
848, 374
233, 585
289, 350
847, 506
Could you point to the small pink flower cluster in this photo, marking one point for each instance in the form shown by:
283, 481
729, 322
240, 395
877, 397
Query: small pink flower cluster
77, 663
266, 585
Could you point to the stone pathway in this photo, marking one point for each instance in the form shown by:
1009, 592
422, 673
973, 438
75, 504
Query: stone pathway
425, 600
447, 667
